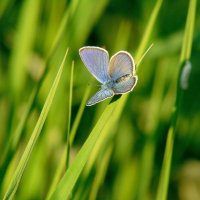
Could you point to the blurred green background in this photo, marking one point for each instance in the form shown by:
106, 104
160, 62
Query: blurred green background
34, 36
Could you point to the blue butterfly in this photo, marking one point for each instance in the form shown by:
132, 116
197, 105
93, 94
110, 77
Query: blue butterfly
117, 75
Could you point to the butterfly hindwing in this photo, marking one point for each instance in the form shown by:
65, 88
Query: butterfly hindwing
125, 86
100, 96
121, 64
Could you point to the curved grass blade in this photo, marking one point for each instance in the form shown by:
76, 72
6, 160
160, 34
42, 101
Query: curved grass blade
185, 55
13, 142
16, 134
34, 136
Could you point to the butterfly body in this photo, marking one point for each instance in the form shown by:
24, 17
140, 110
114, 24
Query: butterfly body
117, 75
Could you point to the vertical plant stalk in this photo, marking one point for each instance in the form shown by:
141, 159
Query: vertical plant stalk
185, 56
152, 121
79, 115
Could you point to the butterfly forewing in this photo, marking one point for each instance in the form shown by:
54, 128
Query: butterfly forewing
96, 60
125, 86
121, 64
100, 96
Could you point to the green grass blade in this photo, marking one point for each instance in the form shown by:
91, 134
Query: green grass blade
185, 55
148, 30
165, 174
62, 163
59, 170
68, 181
3, 6
79, 115
84, 11
101, 172
22, 46
36, 132
187, 41
68, 13
151, 126
69, 114
13, 142
12, 145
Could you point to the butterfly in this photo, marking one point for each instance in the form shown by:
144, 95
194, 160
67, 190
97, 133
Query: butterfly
117, 75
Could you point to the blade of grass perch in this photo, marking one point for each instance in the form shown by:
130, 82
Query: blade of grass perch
64, 188
34, 136
185, 56
108, 132
121, 43
68, 181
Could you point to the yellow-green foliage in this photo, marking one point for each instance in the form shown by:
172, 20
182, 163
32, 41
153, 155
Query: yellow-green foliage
141, 145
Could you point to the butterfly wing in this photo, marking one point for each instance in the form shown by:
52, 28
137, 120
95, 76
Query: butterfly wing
125, 86
96, 60
100, 96
121, 64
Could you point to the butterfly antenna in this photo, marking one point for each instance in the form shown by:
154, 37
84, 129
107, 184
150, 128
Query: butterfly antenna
144, 54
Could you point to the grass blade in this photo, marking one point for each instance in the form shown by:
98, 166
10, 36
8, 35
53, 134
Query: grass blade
23, 43
189, 29
185, 55
13, 141
149, 29
69, 179
69, 114
36, 132
62, 163
79, 115
101, 172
